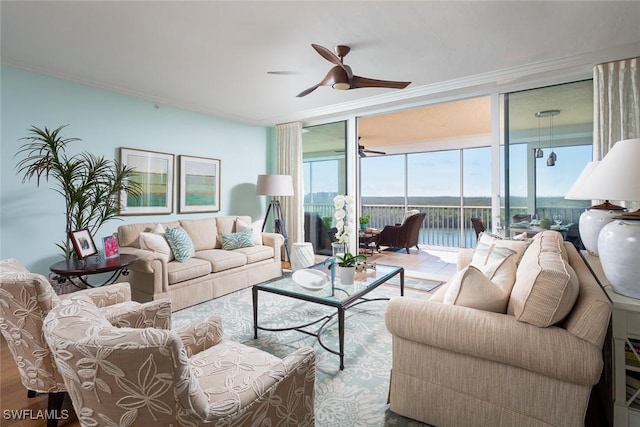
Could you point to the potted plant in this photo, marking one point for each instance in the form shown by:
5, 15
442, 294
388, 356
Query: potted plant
346, 266
364, 220
90, 184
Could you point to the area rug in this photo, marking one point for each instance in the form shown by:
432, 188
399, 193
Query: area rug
356, 396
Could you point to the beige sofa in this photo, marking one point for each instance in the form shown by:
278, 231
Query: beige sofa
533, 365
211, 273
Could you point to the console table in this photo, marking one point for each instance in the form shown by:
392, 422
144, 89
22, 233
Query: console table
79, 269
620, 370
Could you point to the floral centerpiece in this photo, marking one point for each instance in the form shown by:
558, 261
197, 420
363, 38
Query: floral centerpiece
344, 212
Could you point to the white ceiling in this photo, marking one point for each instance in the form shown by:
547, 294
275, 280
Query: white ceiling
213, 56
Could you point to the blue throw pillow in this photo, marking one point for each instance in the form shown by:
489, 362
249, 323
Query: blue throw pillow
180, 243
243, 239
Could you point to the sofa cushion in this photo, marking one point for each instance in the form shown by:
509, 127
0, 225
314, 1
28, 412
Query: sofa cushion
486, 288
242, 239
203, 232
221, 260
491, 248
546, 285
256, 253
180, 243
255, 227
187, 270
156, 243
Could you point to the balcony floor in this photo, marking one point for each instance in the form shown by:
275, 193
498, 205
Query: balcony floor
436, 263
429, 262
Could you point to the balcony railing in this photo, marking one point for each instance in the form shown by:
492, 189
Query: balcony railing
448, 226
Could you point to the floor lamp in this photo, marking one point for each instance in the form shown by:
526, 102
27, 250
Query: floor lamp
276, 185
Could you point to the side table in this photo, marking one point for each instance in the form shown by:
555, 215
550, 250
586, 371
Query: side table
78, 269
368, 239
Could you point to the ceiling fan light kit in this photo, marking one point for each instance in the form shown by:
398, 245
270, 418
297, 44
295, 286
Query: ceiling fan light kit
341, 77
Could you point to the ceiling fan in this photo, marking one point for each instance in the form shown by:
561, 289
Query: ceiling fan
341, 77
362, 151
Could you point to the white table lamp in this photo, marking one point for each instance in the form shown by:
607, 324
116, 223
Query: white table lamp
617, 177
595, 217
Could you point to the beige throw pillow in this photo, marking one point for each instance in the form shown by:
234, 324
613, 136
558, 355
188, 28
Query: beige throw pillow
256, 230
486, 288
491, 248
155, 242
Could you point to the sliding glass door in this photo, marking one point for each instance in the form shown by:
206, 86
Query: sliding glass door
548, 143
324, 175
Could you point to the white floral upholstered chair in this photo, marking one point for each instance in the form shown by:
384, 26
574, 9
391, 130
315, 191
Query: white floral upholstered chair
187, 377
25, 300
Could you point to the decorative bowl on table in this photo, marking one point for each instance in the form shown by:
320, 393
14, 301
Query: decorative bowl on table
310, 279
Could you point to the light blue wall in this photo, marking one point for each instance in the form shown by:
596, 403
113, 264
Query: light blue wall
32, 218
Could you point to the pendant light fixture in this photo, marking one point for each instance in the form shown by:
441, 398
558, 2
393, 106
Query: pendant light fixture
551, 160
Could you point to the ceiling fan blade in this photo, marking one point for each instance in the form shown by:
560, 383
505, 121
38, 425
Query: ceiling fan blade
327, 54
361, 82
366, 150
335, 75
307, 91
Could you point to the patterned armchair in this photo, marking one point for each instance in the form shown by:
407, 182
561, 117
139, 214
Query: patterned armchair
25, 300
189, 377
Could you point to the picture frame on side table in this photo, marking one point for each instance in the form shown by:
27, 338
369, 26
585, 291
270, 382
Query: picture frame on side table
154, 171
199, 184
83, 244
110, 246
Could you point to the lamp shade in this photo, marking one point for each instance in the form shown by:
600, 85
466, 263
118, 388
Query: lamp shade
578, 191
274, 185
617, 175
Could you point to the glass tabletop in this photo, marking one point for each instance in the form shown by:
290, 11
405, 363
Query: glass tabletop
338, 293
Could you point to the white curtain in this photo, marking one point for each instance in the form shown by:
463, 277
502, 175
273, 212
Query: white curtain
616, 105
289, 162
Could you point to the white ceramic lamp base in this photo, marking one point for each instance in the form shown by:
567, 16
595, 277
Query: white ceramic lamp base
619, 247
591, 222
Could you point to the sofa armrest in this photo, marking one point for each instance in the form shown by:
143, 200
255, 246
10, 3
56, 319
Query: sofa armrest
197, 337
153, 314
276, 241
105, 296
464, 258
553, 351
145, 259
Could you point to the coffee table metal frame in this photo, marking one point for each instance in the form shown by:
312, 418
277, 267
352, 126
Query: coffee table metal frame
327, 297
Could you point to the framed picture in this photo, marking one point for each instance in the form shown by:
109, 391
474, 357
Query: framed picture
154, 171
110, 245
199, 184
82, 243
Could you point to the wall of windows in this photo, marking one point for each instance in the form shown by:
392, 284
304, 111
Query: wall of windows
451, 186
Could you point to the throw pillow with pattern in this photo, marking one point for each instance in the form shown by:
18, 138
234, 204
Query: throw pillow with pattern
243, 239
180, 243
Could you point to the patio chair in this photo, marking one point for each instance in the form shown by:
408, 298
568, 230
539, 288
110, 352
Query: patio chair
521, 217
405, 235
25, 300
478, 226
188, 377
316, 232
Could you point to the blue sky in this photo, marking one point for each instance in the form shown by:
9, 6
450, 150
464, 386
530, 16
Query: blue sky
438, 173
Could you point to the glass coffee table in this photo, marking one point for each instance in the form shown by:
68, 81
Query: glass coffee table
342, 297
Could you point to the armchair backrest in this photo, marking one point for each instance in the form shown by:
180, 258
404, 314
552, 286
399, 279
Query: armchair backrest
133, 374
25, 300
412, 226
